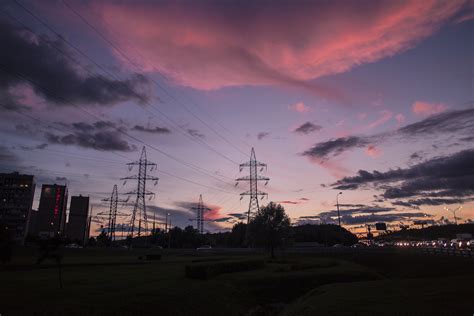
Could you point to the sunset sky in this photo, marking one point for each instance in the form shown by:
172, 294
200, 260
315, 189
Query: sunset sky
370, 98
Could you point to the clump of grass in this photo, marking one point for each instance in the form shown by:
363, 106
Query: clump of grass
206, 270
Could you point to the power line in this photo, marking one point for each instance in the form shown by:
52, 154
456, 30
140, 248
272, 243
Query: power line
176, 125
120, 155
97, 31
119, 130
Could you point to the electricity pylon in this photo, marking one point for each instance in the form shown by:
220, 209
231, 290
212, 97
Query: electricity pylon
113, 199
253, 179
200, 208
141, 192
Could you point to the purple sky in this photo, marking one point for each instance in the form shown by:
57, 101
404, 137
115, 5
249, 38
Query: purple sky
321, 90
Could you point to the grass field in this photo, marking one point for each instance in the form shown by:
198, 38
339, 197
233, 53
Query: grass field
101, 282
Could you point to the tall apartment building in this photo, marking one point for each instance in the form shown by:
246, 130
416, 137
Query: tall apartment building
16, 199
77, 222
51, 219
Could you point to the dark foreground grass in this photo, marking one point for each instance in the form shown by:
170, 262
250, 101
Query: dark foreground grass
116, 282
430, 296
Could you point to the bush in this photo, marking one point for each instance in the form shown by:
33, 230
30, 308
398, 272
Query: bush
208, 270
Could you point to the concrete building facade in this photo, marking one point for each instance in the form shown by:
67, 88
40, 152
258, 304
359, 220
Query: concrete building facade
78, 219
51, 219
16, 199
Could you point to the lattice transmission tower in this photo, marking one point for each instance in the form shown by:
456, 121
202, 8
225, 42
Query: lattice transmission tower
141, 192
112, 219
253, 178
200, 209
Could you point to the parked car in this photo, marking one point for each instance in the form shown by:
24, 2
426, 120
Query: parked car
204, 248
74, 246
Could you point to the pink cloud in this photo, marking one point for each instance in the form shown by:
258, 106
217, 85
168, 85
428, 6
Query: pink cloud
362, 116
373, 151
384, 117
213, 213
400, 118
209, 46
426, 108
334, 167
299, 107
25, 95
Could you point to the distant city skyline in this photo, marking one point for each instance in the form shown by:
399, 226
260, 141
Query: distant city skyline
371, 99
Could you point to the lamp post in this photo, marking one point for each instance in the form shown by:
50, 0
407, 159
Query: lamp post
166, 222
169, 237
454, 212
337, 204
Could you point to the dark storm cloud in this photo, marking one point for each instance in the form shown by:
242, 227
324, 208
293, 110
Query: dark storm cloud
336, 146
195, 133
353, 205
29, 148
9, 102
369, 214
460, 120
156, 130
456, 122
89, 127
307, 128
104, 141
449, 176
415, 203
262, 135
100, 135
239, 216
364, 209
289, 202
6, 154
52, 67
9, 161
467, 139
374, 218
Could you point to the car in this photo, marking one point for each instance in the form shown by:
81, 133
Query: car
73, 246
204, 248
359, 245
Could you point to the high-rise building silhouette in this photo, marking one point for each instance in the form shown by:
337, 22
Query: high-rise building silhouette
52, 210
77, 221
16, 199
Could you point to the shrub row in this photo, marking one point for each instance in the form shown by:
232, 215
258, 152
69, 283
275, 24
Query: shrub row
210, 269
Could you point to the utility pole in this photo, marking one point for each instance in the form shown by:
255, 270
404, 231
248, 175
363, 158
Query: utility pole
337, 203
141, 191
166, 222
253, 179
154, 231
88, 228
200, 209
169, 237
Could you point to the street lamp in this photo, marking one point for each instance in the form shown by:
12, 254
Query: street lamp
454, 212
337, 204
166, 222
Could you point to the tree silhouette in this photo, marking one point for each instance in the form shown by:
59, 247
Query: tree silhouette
270, 227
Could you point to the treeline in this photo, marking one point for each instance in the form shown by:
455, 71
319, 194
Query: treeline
238, 237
